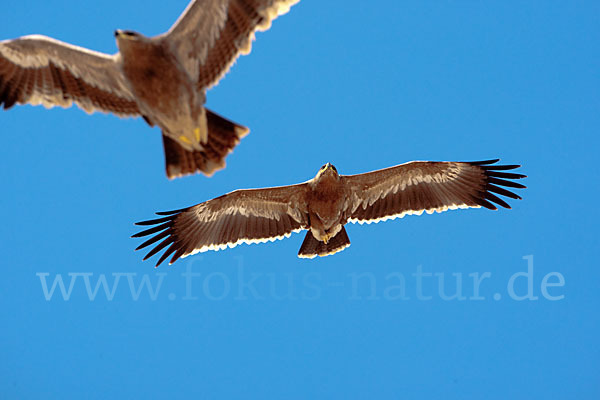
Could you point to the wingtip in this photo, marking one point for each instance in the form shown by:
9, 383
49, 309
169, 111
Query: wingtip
162, 213
484, 162
242, 131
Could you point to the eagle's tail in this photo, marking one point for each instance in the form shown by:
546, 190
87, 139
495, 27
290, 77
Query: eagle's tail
312, 247
223, 136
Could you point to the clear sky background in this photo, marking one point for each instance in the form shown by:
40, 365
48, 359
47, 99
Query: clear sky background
336, 81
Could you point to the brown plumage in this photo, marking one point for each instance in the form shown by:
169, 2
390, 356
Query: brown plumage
324, 204
163, 79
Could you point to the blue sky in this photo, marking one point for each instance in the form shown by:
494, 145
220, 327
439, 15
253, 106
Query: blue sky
332, 81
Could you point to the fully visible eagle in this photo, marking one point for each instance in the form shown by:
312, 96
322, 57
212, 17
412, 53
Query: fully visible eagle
324, 204
163, 78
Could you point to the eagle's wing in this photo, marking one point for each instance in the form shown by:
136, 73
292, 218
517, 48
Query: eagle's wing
210, 34
242, 216
419, 186
40, 70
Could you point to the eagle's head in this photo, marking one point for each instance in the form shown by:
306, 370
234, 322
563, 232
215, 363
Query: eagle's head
125, 35
327, 171
126, 39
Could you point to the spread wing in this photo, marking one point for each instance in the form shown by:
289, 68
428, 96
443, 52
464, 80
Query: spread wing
211, 34
243, 216
419, 186
40, 70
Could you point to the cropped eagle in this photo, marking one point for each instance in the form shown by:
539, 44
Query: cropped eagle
164, 78
324, 204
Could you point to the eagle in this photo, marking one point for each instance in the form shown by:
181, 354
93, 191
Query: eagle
163, 79
324, 204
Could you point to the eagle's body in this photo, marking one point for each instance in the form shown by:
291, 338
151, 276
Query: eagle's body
163, 89
163, 79
325, 198
324, 204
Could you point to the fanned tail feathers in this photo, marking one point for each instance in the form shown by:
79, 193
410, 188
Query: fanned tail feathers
312, 247
223, 136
